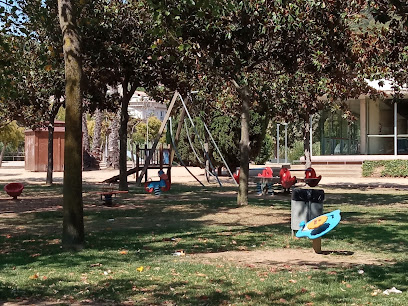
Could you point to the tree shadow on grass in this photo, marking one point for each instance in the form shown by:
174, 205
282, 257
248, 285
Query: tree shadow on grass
365, 198
212, 290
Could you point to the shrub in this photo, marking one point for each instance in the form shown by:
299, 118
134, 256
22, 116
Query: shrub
265, 152
386, 168
297, 150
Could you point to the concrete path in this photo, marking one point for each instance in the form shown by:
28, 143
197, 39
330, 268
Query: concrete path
14, 171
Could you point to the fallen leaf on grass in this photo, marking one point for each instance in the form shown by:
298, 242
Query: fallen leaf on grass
124, 252
201, 274
347, 284
140, 269
34, 276
293, 281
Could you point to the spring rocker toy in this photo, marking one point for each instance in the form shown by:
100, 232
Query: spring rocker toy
319, 226
286, 179
14, 189
311, 178
261, 186
158, 186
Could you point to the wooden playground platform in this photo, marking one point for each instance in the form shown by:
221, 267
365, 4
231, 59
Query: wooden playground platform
160, 160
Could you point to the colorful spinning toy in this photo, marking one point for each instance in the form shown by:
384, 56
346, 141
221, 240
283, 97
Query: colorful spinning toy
319, 226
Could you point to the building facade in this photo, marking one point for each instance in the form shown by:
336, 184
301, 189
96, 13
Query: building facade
142, 106
379, 130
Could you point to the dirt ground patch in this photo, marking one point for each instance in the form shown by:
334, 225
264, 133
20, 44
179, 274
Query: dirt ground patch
293, 259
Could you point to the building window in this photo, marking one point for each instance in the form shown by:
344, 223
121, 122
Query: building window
339, 136
402, 127
380, 127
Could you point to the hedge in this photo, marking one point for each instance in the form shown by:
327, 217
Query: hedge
386, 168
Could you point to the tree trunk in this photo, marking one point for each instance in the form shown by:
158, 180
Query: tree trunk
124, 119
73, 236
113, 140
207, 163
50, 166
85, 135
306, 142
51, 125
3, 150
242, 198
96, 139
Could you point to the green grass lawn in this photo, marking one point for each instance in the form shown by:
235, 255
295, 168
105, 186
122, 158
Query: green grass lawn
129, 259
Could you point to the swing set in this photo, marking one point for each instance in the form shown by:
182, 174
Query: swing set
156, 161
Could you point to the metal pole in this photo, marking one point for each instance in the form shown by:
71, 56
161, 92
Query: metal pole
311, 136
157, 139
179, 157
219, 152
147, 131
395, 129
202, 144
286, 143
277, 143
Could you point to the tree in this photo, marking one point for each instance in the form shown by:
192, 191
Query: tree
251, 43
389, 40
34, 79
120, 31
73, 225
10, 135
113, 140
96, 139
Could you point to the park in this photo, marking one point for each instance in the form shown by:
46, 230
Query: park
203, 152
241, 255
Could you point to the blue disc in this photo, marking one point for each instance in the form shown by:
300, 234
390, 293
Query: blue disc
333, 218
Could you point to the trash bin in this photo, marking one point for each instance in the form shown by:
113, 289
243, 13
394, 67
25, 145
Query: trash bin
306, 205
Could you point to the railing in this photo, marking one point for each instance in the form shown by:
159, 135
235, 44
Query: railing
14, 157
160, 156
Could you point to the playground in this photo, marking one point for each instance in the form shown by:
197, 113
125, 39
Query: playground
194, 246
